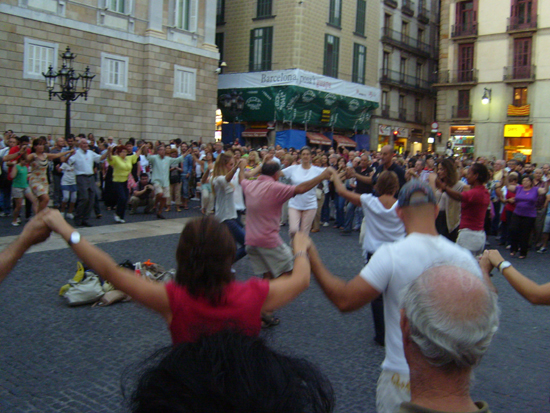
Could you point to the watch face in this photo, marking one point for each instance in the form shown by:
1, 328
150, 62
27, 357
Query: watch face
75, 238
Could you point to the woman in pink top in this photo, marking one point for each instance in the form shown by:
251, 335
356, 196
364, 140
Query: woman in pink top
205, 297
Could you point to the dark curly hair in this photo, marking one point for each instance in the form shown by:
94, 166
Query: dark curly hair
205, 253
228, 372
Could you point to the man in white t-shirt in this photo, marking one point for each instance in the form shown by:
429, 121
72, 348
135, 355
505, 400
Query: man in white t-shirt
389, 272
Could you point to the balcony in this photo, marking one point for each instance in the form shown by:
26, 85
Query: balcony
403, 81
391, 3
406, 42
402, 114
423, 14
522, 24
407, 8
385, 111
418, 117
462, 112
519, 74
456, 77
464, 30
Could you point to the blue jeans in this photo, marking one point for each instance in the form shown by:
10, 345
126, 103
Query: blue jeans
339, 202
185, 186
5, 197
325, 210
237, 230
350, 214
121, 189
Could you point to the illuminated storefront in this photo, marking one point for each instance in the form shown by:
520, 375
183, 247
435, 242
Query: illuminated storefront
463, 139
518, 142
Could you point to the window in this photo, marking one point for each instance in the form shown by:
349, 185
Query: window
419, 70
264, 8
220, 43
520, 96
387, 22
522, 58
402, 69
420, 35
220, 12
38, 57
385, 62
332, 46
385, 98
185, 81
466, 17
359, 63
114, 72
117, 5
466, 62
335, 12
360, 17
463, 104
185, 15
261, 43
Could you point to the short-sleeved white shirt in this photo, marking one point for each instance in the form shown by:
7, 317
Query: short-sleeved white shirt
381, 225
297, 175
394, 266
225, 203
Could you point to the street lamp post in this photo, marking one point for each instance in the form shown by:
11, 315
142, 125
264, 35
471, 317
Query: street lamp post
68, 84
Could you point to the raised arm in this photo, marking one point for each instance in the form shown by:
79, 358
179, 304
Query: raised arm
341, 189
527, 288
34, 232
252, 173
286, 288
62, 155
231, 173
149, 293
365, 179
346, 296
312, 183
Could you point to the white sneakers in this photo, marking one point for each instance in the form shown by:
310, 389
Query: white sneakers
69, 215
119, 220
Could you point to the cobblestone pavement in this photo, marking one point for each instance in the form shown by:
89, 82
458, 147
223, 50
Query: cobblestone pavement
59, 359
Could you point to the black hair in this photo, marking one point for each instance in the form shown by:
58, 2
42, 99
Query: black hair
270, 168
481, 171
228, 372
177, 141
23, 139
143, 174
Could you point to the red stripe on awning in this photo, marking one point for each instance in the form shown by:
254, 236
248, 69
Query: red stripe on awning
318, 139
254, 133
344, 141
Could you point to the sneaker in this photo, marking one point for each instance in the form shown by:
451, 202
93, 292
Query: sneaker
16, 223
19, 220
3, 214
508, 247
119, 220
69, 215
326, 224
195, 199
541, 250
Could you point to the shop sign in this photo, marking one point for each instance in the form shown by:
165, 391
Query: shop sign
403, 132
463, 130
384, 130
518, 131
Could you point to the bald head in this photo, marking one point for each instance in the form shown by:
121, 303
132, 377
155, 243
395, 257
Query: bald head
452, 316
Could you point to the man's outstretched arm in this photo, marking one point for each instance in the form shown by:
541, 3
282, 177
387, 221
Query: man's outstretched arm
347, 296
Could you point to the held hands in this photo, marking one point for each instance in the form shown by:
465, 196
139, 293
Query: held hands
54, 220
36, 231
301, 242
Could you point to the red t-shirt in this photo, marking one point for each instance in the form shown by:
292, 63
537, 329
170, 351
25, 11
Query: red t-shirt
474, 207
240, 307
11, 152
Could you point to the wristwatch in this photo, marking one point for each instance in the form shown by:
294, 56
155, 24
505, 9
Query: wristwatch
74, 238
503, 265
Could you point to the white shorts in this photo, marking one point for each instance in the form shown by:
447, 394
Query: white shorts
473, 241
392, 390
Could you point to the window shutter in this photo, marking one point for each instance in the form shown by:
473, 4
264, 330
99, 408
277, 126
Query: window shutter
193, 11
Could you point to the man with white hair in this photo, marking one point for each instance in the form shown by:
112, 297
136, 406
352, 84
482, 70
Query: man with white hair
448, 319
389, 271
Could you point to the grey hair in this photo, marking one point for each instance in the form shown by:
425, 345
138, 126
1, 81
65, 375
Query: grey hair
452, 316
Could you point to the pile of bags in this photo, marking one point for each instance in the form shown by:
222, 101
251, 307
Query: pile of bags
86, 287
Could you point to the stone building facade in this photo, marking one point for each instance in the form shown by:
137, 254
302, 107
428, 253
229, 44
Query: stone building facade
155, 64
496, 50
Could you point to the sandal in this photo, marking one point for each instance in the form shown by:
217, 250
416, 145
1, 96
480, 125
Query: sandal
522, 257
512, 254
270, 321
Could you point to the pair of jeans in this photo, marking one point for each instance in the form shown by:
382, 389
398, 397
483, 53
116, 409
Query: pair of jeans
340, 202
86, 197
237, 230
325, 210
121, 189
350, 214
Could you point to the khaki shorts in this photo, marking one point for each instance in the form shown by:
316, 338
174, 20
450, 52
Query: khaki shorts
20, 192
165, 191
473, 241
277, 261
